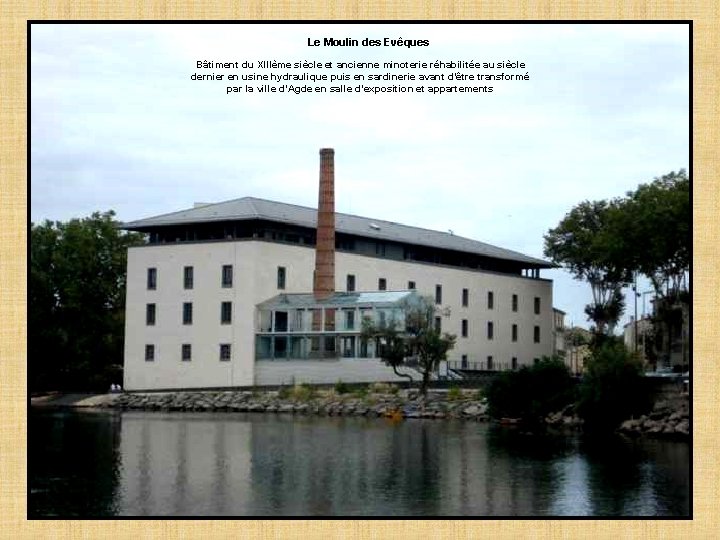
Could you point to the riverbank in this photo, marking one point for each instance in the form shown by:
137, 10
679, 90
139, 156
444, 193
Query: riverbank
669, 418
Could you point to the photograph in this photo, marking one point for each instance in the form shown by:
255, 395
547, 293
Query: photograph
359, 270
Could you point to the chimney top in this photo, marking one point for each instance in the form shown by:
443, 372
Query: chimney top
327, 150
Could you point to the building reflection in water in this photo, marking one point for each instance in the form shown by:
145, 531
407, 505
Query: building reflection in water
277, 465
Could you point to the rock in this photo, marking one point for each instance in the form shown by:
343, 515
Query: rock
286, 408
683, 427
472, 410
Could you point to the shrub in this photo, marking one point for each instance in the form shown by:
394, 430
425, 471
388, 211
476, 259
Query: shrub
531, 393
454, 393
613, 388
361, 391
284, 392
303, 392
341, 388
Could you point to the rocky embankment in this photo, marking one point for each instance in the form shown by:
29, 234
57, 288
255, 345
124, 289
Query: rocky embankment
669, 418
400, 404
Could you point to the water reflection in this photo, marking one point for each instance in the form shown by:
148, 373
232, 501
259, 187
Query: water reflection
170, 464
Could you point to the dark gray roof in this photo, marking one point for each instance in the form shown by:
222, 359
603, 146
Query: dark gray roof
252, 208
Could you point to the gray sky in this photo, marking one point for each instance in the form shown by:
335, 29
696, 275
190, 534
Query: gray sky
117, 123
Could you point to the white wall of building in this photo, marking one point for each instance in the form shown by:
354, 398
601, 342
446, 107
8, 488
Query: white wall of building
255, 280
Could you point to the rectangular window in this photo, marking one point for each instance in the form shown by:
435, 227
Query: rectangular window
149, 353
514, 332
465, 297
438, 324
536, 334
350, 283
150, 314
186, 352
438, 294
188, 277
227, 275
514, 362
349, 320
490, 362
490, 330
464, 328
382, 284
281, 274
225, 352
411, 285
187, 313
514, 302
152, 279
491, 299
464, 362
226, 313
537, 305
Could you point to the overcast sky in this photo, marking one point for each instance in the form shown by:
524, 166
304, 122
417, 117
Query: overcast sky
117, 123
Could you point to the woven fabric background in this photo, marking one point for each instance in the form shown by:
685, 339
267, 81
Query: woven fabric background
13, 268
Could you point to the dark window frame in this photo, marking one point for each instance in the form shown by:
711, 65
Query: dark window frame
464, 328
225, 352
536, 305
515, 303
514, 333
187, 313
465, 297
149, 352
152, 279
281, 278
490, 331
438, 294
226, 312
491, 300
150, 314
411, 285
186, 352
350, 283
536, 334
188, 278
226, 276
382, 284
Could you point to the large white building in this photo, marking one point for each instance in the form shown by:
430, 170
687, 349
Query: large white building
206, 296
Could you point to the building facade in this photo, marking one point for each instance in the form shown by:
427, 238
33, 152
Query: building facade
196, 291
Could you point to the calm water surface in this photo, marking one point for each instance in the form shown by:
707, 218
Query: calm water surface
93, 464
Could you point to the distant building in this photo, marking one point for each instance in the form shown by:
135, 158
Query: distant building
639, 337
577, 352
559, 346
255, 292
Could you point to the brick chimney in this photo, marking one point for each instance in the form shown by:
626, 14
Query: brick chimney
324, 279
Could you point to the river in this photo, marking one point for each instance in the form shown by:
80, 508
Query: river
109, 463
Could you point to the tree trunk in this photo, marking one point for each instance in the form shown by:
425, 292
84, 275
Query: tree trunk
425, 382
407, 375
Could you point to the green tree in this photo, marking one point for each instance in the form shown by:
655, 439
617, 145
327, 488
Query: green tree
654, 222
76, 302
613, 388
420, 345
583, 244
531, 393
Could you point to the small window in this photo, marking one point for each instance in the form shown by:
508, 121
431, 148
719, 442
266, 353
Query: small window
187, 313
152, 279
411, 285
513, 363
226, 312
350, 283
225, 352
514, 302
188, 277
186, 352
349, 320
514, 332
281, 274
491, 300
464, 328
490, 363
536, 334
227, 275
464, 362
438, 324
150, 314
537, 305
465, 297
490, 330
382, 284
438, 294
149, 353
